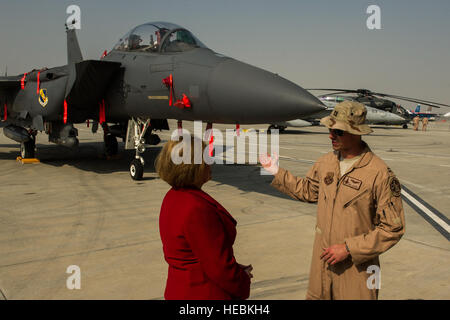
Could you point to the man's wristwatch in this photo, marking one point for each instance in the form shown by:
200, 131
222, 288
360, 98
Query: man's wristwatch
346, 247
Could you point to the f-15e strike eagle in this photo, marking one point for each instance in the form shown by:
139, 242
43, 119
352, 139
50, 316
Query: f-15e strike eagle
157, 71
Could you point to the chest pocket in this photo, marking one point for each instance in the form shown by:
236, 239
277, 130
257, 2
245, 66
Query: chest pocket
355, 198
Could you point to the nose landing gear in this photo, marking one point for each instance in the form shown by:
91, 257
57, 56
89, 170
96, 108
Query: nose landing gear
137, 139
137, 168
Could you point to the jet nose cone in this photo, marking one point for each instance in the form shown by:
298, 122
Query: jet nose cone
239, 92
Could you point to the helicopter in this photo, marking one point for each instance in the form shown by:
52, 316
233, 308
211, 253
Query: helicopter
156, 71
376, 100
373, 116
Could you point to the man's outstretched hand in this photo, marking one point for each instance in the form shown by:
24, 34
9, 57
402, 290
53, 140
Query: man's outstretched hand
270, 164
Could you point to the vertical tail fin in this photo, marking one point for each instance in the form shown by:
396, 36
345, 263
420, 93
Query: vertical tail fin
73, 48
417, 108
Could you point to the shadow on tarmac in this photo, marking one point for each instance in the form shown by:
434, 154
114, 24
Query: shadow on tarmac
89, 156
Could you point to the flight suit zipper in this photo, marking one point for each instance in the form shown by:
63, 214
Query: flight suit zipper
334, 202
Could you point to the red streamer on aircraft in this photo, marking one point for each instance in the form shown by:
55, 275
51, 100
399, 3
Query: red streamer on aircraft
22, 81
105, 53
65, 111
5, 115
211, 145
169, 84
183, 103
101, 116
238, 128
38, 76
211, 139
186, 101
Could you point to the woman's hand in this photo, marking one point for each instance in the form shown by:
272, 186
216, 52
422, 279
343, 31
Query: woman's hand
270, 164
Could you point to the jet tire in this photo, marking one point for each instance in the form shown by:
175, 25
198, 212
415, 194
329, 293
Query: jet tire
136, 169
27, 149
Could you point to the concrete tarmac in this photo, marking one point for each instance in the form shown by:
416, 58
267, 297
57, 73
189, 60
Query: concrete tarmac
77, 208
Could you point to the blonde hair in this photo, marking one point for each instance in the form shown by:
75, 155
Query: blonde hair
181, 175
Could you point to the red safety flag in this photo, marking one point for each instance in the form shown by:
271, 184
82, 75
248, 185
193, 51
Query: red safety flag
22, 81
5, 115
186, 101
87, 123
65, 111
211, 145
169, 84
171, 89
211, 139
101, 114
183, 103
38, 85
238, 128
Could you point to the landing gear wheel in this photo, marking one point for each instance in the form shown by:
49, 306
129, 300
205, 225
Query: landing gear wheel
136, 169
282, 129
27, 149
111, 145
269, 130
405, 126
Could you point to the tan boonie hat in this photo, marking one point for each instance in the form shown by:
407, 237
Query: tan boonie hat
348, 116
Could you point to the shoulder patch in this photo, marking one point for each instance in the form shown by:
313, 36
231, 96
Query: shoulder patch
395, 186
329, 178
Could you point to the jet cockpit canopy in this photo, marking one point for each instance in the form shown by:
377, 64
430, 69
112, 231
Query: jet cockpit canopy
158, 37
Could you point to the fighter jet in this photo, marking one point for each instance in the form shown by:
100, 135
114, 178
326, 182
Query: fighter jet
156, 71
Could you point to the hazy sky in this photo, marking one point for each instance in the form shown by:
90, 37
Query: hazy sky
312, 43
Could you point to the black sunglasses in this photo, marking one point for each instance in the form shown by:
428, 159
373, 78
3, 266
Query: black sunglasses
337, 132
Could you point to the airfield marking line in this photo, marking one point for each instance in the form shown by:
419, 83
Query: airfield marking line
444, 165
436, 219
3, 295
425, 244
427, 188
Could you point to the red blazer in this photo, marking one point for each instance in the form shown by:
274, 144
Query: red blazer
197, 235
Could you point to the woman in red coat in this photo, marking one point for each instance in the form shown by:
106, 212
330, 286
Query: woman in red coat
197, 234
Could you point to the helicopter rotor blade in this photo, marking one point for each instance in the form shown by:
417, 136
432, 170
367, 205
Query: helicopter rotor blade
420, 101
334, 93
370, 93
341, 90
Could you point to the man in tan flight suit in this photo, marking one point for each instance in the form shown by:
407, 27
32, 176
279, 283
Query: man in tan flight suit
416, 121
360, 213
424, 123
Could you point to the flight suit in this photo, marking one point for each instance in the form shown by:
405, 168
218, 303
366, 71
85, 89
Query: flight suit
416, 121
363, 209
424, 124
